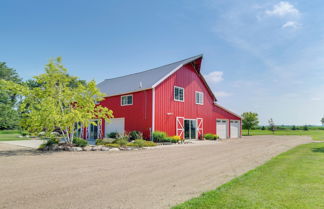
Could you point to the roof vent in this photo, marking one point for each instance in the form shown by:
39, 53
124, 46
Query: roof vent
140, 84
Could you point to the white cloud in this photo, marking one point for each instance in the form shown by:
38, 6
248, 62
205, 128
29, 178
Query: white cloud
316, 99
214, 77
283, 9
221, 94
290, 24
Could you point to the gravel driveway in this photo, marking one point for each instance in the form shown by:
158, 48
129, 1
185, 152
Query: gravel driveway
154, 178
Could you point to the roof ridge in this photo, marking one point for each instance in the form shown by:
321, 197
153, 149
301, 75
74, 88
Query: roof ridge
199, 55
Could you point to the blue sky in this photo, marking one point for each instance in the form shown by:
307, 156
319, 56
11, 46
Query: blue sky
260, 56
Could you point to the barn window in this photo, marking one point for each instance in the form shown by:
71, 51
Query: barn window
178, 94
199, 97
126, 100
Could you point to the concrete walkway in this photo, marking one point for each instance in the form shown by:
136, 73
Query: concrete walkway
32, 143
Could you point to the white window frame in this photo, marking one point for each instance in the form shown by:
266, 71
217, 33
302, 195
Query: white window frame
121, 100
183, 96
202, 97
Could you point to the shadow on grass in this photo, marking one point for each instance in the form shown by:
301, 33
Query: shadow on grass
320, 149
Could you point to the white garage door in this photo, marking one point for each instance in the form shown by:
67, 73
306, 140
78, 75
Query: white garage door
235, 128
115, 125
221, 128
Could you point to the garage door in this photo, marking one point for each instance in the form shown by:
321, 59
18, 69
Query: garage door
235, 128
221, 128
115, 125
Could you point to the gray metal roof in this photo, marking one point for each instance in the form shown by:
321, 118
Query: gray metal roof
141, 80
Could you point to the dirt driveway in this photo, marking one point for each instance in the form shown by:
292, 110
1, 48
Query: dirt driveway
156, 178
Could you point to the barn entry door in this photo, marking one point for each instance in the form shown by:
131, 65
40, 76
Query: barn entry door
180, 127
200, 128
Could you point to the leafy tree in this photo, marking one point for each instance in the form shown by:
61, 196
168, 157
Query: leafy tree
51, 102
305, 128
322, 121
293, 128
249, 121
272, 126
263, 128
8, 99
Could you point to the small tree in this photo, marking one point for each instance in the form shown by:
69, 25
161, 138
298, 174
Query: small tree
272, 126
322, 121
249, 121
293, 128
58, 100
305, 128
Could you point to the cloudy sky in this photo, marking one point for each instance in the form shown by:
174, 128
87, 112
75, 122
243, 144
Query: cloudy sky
260, 56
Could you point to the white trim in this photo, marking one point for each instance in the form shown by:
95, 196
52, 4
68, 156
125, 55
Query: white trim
173, 71
130, 92
121, 99
183, 96
170, 73
227, 110
153, 109
202, 93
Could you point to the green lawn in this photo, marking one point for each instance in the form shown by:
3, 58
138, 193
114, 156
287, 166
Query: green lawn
315, 134
294, 179
10, 135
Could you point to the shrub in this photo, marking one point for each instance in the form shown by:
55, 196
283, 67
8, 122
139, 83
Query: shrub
52, 141
176, 138
24, 133
112, 145
135, 135
121, 142
305, 128
113, 135
104, 141
80, 142
141, 143
159, 136
211, 136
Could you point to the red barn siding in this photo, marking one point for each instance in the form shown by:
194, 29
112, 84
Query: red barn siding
166, 109
137, 116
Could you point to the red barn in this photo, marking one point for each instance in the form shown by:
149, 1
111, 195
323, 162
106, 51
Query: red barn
173, 98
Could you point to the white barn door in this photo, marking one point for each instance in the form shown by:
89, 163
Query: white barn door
235, 128
180, 127
221, 128
115, 125
200, 128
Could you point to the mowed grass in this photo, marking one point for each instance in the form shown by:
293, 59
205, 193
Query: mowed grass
10, 135
294, 179
315, 134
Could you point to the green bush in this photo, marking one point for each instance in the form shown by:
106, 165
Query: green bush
121, 142
80, 142
159, 136
135, 135
52, 141
141, 143
105, 141
112, 145
113, 135
24, 133
211, 136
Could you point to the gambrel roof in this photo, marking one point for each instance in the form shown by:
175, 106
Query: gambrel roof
144, 80
151, 78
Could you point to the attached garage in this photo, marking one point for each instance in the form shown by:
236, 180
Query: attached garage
221, 129
235, 128
115, 125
